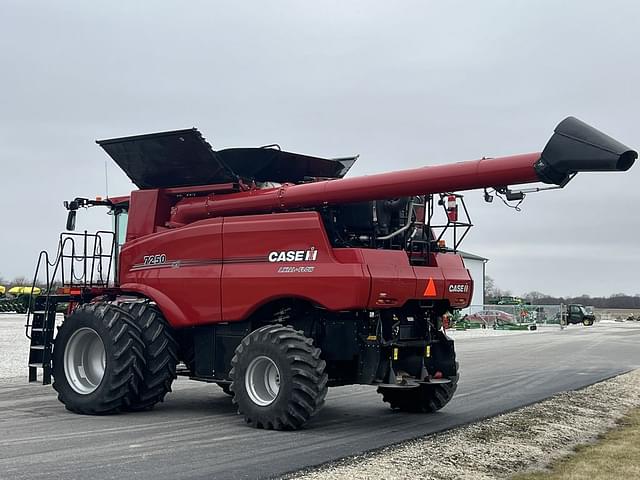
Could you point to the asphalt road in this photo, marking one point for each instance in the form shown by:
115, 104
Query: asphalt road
195, 433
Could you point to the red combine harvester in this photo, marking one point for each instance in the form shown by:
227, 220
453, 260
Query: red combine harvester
269, 274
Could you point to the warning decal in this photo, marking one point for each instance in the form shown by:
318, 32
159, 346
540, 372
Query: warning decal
430, 291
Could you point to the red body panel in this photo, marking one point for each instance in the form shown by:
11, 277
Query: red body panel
186, 281
452, 273
223, 269
148, 212
246, 285
392, 279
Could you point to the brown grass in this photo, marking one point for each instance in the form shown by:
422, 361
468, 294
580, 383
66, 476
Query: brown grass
616, 455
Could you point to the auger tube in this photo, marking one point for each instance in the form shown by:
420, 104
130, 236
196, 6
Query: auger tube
574, 147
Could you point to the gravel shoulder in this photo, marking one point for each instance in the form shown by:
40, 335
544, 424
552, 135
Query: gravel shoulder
526, 439
14, 347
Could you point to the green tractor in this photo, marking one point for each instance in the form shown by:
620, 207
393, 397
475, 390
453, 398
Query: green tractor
508, 300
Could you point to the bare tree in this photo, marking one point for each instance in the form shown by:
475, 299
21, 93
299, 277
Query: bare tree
492, 292
489, 286
20, 282
535, 295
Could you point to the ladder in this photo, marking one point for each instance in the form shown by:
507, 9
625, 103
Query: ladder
83, 261
40, 328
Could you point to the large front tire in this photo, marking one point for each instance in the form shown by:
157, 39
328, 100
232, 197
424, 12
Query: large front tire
425, 398
278, 378
161, 354
98, 357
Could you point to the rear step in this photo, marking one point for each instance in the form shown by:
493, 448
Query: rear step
410, 384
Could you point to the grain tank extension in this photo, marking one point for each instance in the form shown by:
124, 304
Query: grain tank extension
274, 276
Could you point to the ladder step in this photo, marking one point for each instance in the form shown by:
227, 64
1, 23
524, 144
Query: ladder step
38, 365
39, 356
37, 347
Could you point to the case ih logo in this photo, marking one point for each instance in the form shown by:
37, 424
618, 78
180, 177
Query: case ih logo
459, 288
294, 255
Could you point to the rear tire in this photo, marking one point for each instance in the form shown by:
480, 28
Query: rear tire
161, 354
420, 399
278, 378
98, 358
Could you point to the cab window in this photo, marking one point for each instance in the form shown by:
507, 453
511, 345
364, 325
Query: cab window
120, 220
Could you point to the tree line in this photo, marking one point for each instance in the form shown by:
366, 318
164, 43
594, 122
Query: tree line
617, 300
20, 282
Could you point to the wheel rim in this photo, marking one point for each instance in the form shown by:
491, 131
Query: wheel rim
262, 381
84, 361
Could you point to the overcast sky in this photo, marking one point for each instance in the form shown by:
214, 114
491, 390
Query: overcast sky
404, 84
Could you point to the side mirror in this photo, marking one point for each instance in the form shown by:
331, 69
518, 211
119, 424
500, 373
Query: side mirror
71, 220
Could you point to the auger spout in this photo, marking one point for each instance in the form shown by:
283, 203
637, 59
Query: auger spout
574, 147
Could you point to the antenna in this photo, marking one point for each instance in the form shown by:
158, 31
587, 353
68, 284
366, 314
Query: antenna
106, 180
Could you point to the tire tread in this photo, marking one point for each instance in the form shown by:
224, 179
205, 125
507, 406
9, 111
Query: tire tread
161, 354
121, 386
308, 379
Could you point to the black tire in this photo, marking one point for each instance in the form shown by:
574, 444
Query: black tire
302, 381
421, 399
226, 388
161, 354
123, 359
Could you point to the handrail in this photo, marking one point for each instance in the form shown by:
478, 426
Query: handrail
87, 267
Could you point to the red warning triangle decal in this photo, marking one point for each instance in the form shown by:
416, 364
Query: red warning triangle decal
430, 291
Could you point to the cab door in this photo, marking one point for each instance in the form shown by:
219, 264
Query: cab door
575, 314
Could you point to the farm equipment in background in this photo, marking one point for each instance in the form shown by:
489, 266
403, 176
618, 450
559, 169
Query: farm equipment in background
575, 314
520, 311
466, 323
495, 319
511, 325
270, 274
17, 299
488, 318
508, 300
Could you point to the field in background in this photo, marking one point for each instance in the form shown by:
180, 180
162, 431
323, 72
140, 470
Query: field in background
616, 313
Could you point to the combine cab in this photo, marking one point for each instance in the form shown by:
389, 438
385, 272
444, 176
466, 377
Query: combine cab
270, 274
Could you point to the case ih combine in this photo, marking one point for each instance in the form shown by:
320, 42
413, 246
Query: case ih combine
269, 274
